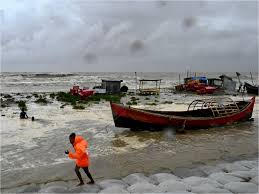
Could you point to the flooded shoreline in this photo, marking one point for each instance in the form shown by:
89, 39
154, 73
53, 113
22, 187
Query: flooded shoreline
33, 152
115, 152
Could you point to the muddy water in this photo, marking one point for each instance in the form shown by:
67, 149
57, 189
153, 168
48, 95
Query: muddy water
34, 151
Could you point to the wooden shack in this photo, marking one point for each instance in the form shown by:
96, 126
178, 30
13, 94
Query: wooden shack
228, 84
149, 90
215, 82
111, 86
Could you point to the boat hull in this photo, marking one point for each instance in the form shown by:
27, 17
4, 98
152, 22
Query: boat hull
139, 119
251, 89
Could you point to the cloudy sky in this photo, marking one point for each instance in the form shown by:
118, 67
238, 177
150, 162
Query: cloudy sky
81, 35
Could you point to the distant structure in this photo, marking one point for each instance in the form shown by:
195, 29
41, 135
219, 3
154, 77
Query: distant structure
228, 84
215, 82
151, 90
111, 86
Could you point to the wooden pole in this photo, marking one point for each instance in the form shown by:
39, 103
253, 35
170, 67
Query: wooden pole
252, 78
156, 88
136, 83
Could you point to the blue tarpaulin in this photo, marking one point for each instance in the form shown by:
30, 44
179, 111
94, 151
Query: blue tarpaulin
199, 78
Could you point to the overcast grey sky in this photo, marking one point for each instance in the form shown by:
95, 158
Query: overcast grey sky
81, 35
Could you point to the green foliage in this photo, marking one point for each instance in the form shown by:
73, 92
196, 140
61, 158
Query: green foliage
7, 102
132, 103
67, 97
151, 103
42, 99
22, 104
167, 102
96, 98
107, 97
63, 105
52, 95
7, 96
35, 95
133, 98
80, 107
131, 93
3, 104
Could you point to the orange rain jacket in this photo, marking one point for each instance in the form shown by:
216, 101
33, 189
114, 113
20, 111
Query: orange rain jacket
80, 156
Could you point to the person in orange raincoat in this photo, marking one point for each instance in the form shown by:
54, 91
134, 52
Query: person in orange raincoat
80, 156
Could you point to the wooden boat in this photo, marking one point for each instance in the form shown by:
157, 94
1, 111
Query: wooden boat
251, 89
200, 114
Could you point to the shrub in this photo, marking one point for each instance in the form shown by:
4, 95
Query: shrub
22, 104
42, 99
52, 95
107, 97
67, 97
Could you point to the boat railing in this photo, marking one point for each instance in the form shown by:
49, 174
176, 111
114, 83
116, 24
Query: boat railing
218, 106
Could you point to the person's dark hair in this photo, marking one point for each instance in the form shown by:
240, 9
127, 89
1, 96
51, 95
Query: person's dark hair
72, 135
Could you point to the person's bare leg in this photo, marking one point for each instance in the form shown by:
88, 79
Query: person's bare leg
89, 175
79, 175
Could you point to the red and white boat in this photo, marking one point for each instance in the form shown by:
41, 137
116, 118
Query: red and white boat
85, 92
